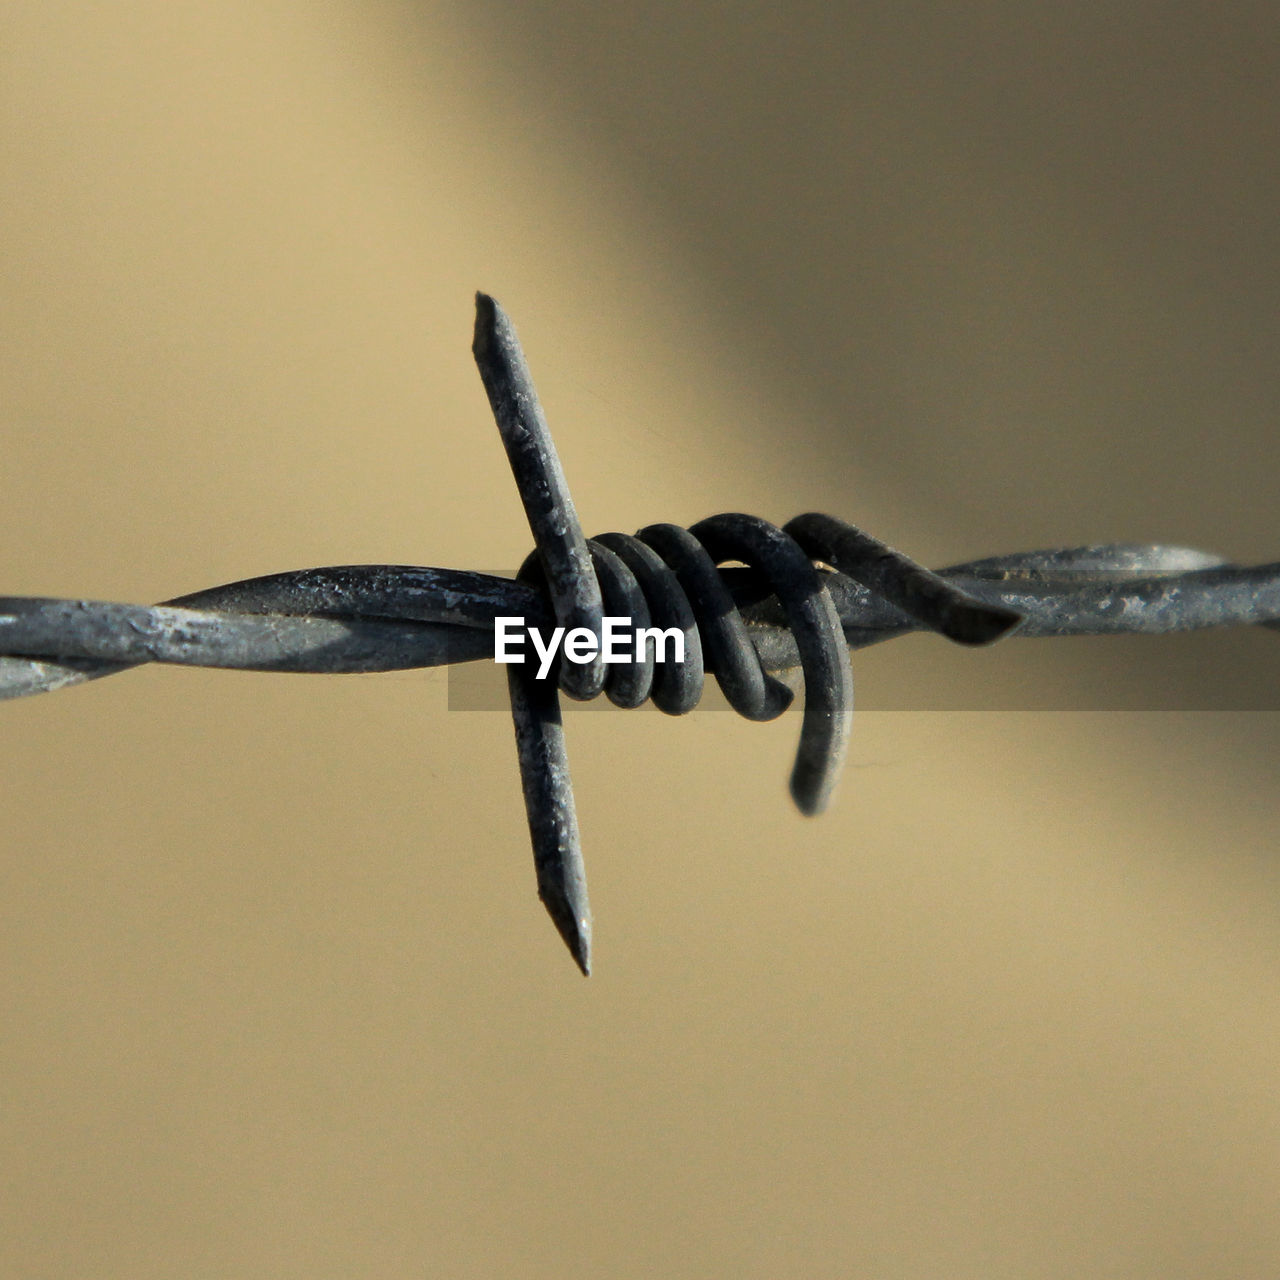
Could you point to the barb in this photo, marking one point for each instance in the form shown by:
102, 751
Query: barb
810, 592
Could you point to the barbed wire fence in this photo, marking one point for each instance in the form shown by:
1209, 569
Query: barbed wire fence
810, 592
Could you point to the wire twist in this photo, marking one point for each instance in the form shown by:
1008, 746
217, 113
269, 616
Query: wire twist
810, 591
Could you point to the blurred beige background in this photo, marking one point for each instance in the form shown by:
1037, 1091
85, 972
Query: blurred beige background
278, 999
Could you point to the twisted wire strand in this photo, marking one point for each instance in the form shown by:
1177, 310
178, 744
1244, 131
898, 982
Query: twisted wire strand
809, 592
362, 618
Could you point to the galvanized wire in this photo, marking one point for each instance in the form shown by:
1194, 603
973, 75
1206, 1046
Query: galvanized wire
811, 591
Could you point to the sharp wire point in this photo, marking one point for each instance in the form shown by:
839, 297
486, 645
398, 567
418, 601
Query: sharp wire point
743, 625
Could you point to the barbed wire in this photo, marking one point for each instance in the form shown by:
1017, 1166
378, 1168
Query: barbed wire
810, 592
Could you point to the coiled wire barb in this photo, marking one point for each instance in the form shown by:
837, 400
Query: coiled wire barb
810, 591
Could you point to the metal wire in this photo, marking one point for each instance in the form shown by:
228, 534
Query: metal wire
810, 592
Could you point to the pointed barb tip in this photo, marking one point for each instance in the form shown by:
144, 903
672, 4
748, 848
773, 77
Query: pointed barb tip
574, 927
